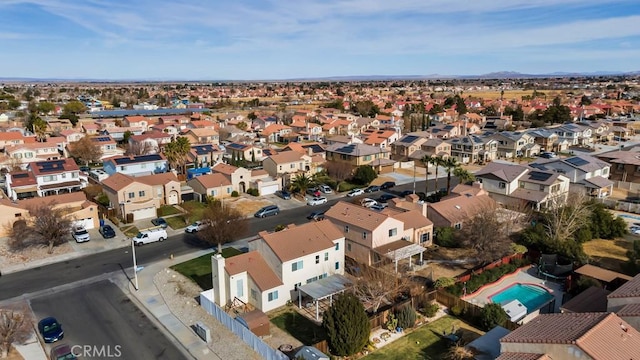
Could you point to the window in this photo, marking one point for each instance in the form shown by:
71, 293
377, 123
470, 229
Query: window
63, 175
317, 259
367, 157
393, 232
240, 287
254, 294
349, 247
141, 193
541, 187
502, 185
425, 237
17, 215
123, 168
292, 166
296, 266
326, 256
228, 190
364, 235
132, 195
337, 265
346, 228
458, 226
337, 246
273, 295
521, 184
310, 280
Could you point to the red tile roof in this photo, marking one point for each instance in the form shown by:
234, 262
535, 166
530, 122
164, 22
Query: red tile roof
629, 289
298, 241
65, 165
254, 265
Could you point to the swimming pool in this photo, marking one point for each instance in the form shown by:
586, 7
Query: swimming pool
531, 296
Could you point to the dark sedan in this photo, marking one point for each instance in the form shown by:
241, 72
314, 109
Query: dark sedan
372, 188
317, 216
283, 194
387, 185
50, 329
385, 197
160, 222
107, 232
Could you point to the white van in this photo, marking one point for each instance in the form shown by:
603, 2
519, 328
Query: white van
149, 236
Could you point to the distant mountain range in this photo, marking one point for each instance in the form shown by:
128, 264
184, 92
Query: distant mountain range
493, 75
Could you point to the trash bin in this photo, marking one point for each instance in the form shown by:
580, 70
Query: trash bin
101, 222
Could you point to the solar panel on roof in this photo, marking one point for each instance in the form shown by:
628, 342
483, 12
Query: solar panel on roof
20, 176
236, 146
576, 161
347, 149
539, 176
409, 138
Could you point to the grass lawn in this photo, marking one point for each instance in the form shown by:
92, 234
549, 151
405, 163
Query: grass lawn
609, 254
195, 210
425, 342
176, 222
166, 210
130, 230
199, 269
299, 327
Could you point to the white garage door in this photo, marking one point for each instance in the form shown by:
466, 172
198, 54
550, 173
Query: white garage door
145, 213
267, 190
86, 223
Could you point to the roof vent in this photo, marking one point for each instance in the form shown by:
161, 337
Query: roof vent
458, 207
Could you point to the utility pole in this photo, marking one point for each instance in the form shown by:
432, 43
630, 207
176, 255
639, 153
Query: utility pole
135, 265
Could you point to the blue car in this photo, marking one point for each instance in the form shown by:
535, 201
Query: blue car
107, 232
160, 222
50, 329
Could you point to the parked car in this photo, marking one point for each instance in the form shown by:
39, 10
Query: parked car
160, 222
406, 192
314, 192
316, 215
635, 230
80, 234
378, 206
325, 189
284, 194
387, 185
149, 236
107, 231
372, 188
366, 202
355, 192
385, 197
62, 352
317, 201
50, 329
270, 210
548, 155
195, 227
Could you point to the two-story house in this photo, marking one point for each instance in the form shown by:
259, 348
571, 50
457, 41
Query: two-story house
512, 144
136, 198
432, 147
246, 152
204, 155
14, 138
361, 154
549, 141
151, 142
287, 165
202, 136
107, 146
51, 178
473, 149
625, 165
586, 173
72, 135
278, 263
139, 165
136, 122
574, 134
463, 203
373, 237
23, 154
243, 179
408, 144
512, 184
276, 133
308, 131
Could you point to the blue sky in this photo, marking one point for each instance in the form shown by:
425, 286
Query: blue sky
283, 39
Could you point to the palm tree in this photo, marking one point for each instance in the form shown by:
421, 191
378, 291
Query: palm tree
301, 183
176, 152
426, 160
463, 175
450, 164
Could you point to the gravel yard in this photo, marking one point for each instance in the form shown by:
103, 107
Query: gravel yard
10, 258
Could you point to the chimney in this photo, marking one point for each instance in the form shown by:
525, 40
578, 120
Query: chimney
477, 184
218, 278
309, 151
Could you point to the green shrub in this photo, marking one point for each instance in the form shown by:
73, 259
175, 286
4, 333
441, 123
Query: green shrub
492, 315
234, 194
253, 192
457, 310
445, 237
444, 282
431, 310
406, 317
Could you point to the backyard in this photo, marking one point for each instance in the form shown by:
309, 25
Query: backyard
298, 326
199, 269
609, 254
426, 342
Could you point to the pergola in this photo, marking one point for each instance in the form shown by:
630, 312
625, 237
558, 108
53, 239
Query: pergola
399, 250
322, 289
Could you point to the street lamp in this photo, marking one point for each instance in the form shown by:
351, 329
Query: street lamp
135, 265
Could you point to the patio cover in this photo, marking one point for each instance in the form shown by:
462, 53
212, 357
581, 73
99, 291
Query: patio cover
601, 274
399, 250
324, 288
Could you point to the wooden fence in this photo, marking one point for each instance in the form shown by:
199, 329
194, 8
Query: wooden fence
470, 310
505, 260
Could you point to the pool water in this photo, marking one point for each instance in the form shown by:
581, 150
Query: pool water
531, 296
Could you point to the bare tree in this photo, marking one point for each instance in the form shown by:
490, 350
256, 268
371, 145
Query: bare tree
15, 327
376, 286
46, 225
486, 233
85, 150
140, 148
224, 224
515, 216
339, 170
563, 218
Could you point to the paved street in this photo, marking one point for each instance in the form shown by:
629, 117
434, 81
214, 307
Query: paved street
102, 320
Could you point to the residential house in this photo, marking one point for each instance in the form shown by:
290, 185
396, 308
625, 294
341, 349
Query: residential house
107, 146
586, 173
308, 131
72, 135
549, 141
277, 133
287, 165
463, 203
216, 185
361, 154
512, 144
597, 336
575, 134
136, 198
277, 264
343, 139
136, 122
202, 136
151, 142
625, 302
244, 152
243, 179
380, 138
473, 149
408, 144
432, 147
204, 155
625, 165
44, 178
512, 184
138, 165
600, 131
90, 128
23, 154
117, 133
372, 237
14, 138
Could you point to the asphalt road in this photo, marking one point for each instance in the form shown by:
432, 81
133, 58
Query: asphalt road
101, 322
50, 276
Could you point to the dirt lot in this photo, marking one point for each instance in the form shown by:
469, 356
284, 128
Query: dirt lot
608, 253
435, 271
248, 204
8, 257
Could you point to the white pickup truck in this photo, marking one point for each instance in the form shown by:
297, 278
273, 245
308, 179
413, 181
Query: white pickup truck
149, 236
